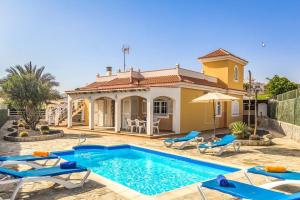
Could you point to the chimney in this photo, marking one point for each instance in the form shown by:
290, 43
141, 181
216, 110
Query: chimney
177, 66
108, 71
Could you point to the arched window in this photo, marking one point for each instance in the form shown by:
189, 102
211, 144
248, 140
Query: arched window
236, 73
235, 108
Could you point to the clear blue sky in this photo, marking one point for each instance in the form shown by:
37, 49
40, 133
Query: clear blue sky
77, 39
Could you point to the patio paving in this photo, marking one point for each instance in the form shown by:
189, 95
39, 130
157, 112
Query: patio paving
285, 152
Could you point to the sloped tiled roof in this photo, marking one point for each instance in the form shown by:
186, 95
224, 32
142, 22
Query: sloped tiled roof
165, 81
220, 52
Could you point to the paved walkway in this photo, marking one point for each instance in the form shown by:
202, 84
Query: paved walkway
284, 152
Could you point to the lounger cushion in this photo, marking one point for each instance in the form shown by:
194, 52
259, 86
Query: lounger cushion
288, 175
277, 169
242, 190
227, 139
191, 135
26, 158
47, 171
40, 153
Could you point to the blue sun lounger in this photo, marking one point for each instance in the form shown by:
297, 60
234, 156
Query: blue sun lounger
27, 160
42, 174
222, 144
190, 137
288, 175
246, 191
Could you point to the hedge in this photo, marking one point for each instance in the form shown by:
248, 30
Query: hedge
3, 116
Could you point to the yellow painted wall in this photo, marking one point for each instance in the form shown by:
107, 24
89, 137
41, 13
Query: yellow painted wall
217, 69
196, 116
231, 118
233, 84
165, 124
199, 116
224, 70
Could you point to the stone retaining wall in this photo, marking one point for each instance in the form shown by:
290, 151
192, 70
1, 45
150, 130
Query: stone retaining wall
262, 142
34, 138
290, 130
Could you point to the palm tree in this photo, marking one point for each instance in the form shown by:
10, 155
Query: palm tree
28, 88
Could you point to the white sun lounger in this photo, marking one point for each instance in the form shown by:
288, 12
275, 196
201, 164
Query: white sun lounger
41, 174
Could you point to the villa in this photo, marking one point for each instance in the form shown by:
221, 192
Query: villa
161, 99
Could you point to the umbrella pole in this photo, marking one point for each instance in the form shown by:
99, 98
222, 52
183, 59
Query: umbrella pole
214, 110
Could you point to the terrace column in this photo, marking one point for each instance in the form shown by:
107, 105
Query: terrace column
149, 116
117, 115
70, 111
176, 115
91, 113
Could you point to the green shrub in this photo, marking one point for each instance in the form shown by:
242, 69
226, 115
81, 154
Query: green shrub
44, 130
21, 124
239, 129
3, 117
23, 134
10, 129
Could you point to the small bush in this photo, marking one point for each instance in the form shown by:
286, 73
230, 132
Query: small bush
21, 124
44, 130
239, 129
23, 134
26, 126
15, 123
10, 129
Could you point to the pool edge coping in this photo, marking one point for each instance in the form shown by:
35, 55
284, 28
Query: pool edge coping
135, 195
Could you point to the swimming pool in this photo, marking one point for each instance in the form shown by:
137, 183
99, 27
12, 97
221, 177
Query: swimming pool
146, 171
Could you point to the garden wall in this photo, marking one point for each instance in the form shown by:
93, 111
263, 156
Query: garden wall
3, 116
290, 130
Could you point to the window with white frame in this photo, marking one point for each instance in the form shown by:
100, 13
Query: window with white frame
218, 110
235, 108
160, 107
236, 73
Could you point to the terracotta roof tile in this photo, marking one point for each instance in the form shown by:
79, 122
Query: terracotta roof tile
220, 52
197, 81
163, 81
160, 79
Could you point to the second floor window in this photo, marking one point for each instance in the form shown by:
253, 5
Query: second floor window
236, 73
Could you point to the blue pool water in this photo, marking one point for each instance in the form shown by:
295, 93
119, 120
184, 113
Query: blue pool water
146, 171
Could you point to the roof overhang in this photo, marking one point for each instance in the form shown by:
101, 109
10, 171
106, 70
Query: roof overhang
106, 90
227, 57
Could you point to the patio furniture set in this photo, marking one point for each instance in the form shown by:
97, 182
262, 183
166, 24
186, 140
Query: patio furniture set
140, 125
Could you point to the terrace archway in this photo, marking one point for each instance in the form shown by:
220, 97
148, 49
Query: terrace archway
133, 107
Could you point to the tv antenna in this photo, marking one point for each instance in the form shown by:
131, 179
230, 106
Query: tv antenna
125, 50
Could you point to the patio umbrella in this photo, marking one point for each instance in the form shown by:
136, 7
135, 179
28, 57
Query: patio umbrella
214, 97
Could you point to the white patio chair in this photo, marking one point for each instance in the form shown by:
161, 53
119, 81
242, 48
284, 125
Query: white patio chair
130, 125
156, 126
140, 125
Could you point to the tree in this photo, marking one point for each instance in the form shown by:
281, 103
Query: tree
246, 86
278, 85
28, 88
